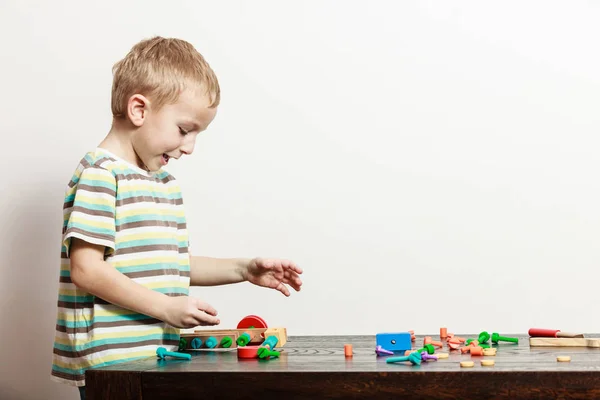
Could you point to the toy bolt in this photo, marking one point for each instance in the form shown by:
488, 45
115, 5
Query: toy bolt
226, 342
264, 352
428, 348
211, 342
497, 338
196, 343
381, 351
426, 357
182, 344
244, 339
414, 358
484, 337
162, 353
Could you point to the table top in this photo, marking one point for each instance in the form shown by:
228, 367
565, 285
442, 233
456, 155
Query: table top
313, 367
326, 353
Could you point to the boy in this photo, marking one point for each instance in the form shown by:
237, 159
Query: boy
125, 264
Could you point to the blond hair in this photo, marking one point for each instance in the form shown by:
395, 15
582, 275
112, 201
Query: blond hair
159, 68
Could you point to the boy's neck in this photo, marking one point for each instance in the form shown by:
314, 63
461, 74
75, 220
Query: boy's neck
118, 141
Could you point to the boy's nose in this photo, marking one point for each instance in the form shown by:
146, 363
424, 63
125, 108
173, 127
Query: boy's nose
188, 147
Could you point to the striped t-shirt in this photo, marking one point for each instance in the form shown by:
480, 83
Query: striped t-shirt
139, 217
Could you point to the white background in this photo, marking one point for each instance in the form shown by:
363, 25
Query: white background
427, 163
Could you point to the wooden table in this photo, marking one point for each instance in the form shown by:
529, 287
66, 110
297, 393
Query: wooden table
314, 367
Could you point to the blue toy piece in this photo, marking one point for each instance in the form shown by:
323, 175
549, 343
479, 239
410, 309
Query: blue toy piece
196, 343
396, 342
162, 353
270, 342
211, 342
414, 358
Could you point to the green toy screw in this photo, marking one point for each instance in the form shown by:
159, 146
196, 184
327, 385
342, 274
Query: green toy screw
484, 346
428, 348
244, 339
468, 341
226, 342
497, 338
264, 352
182, 344
483, 337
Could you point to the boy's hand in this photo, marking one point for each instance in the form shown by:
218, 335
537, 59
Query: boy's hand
274, 274
188, 312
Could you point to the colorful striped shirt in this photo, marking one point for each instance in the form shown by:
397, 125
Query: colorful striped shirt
139, 217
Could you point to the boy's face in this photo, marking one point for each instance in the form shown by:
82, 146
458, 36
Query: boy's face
171, 131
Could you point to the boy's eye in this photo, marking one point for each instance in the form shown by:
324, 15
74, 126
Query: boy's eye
182, 131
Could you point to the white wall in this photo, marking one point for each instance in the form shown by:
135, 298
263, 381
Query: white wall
428, 163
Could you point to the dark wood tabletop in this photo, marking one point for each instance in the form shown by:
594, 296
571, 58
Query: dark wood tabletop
315, 367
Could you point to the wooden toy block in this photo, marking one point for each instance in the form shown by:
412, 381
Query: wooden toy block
279, 333
563, 342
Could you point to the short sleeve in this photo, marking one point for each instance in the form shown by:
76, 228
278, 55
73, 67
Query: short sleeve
90, 213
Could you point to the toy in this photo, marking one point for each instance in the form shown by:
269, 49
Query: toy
162, 353
251, 330
497, 338
414, 358
396, 342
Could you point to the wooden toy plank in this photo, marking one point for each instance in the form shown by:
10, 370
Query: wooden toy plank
563, 342
258, 335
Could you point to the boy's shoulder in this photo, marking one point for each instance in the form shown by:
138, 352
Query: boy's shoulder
104, 160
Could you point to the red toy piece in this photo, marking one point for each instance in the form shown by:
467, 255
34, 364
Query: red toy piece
248, 352
253, 321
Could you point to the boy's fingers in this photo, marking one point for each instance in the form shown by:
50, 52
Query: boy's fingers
206, 319
283, 289
207, 308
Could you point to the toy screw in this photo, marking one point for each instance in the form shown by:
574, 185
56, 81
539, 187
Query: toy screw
196, 343
211, 342
428, 348
484, 337
414, 358
380, 351
497, 338
182, 344
162, 353
244, 339
264, 352
425, 357
226, 342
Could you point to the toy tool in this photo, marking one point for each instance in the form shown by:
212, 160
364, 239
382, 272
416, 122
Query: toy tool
414, 358
162, 353
251, 330
536, 332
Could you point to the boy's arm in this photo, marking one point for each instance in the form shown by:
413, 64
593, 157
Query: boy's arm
92, 274
270, 273
208, 271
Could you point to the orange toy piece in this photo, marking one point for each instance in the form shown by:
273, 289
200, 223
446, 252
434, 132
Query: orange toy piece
426, 340
443, 333
476, 351
348, 350
453, 346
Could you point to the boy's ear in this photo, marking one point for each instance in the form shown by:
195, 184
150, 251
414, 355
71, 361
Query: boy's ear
137, 109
